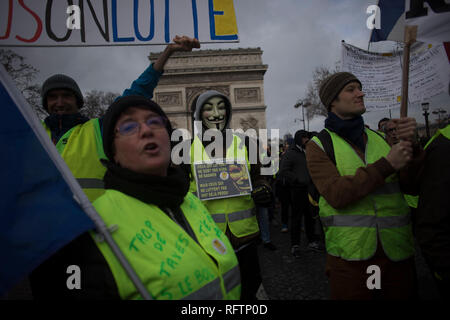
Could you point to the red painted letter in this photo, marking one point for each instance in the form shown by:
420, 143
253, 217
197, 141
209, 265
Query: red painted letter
39, 24
8, 27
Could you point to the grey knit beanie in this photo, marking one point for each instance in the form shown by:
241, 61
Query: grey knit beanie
332, 86
61, 81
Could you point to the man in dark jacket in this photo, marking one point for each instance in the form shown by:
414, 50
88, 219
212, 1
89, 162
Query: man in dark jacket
433, 211
295, 172
62, 99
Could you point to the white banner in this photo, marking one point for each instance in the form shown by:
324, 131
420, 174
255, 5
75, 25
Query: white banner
114, 22
381, 74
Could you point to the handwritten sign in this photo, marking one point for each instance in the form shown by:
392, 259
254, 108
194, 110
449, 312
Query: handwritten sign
381, 74
222, 180
113, 22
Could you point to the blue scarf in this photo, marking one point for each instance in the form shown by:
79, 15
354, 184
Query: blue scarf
351, 130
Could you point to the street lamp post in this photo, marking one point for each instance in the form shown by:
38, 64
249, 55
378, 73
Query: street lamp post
300, 104
425, 108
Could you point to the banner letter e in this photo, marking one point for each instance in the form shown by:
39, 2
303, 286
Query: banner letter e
374, 281
74, 280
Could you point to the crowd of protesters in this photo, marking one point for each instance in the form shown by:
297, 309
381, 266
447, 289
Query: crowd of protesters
370, 193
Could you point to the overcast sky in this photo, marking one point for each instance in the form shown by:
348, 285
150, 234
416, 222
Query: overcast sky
295, 35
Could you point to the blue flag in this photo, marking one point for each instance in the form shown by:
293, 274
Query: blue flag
38, 213
431, 18
391, 14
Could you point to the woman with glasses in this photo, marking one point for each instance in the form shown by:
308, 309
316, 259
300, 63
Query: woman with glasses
165, 232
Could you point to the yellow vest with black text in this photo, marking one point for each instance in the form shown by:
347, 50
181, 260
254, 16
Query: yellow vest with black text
236, 212
352, 233
82, 148
170, 264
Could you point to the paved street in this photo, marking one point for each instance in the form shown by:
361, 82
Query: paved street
288, 278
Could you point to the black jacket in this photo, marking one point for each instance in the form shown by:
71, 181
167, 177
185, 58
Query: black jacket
293, 170
433, 212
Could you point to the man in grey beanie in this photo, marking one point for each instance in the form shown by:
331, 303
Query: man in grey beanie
62, 99
361, 181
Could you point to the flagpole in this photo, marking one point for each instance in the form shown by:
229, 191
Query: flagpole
78, 193
410, 38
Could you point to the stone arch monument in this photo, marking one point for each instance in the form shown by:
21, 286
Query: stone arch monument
237, 73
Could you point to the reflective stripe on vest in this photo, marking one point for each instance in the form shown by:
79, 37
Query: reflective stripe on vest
366, 221
235, 212
82, 149
91, 183
170, 263
233, 216
352, 232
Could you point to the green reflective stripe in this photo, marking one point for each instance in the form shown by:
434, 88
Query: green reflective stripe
366, 221
232, 279
219, 217
388, 188
91, 183
210, 291
240, 215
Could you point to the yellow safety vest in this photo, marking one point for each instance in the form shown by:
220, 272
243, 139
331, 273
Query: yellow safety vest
352, 232
82, 148
170, 263
237, 212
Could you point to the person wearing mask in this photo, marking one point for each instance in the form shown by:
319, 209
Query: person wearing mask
165, 232
236, 216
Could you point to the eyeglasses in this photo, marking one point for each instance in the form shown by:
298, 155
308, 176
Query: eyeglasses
131, 127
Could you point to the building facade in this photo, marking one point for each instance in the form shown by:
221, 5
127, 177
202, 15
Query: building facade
236, 73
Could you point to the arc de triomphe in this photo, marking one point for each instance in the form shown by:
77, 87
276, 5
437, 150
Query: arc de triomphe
237, 73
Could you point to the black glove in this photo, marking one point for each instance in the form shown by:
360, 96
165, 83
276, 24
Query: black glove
262, 196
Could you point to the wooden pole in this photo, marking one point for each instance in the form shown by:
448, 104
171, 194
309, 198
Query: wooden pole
410, 38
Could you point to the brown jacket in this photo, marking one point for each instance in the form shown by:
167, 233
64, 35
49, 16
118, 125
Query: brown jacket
340, 191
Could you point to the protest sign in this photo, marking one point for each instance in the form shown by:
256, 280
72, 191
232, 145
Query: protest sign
112, 22
222, 180
381, 74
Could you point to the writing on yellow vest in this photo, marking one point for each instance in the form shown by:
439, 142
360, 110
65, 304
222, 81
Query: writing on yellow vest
170, 263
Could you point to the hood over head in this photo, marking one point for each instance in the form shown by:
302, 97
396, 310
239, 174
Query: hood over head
197, 115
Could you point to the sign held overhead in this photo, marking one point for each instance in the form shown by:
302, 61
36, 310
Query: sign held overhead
51, 23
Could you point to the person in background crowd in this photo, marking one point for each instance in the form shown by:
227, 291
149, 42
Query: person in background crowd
282, 189
295, 172
62, 99
265, 214
164, 231
381, 125
390, 130
364, 215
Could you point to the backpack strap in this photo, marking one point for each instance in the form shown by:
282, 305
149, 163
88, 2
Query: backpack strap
327, 143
